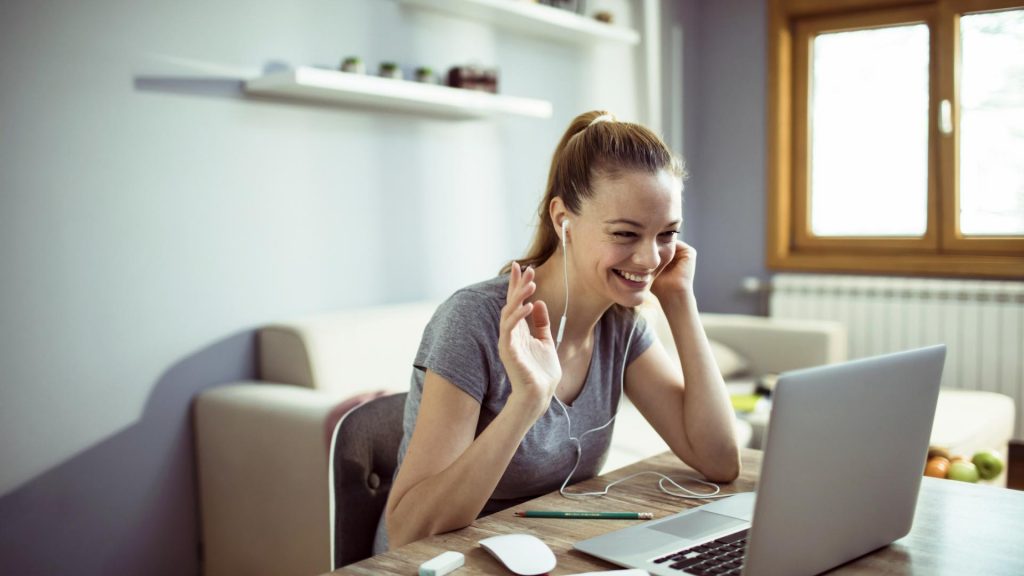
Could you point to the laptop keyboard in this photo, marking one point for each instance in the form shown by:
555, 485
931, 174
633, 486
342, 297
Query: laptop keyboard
723, 556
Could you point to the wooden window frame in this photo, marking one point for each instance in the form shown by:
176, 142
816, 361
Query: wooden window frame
942, 251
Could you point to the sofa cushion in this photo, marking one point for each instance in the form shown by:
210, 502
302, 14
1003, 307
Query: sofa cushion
346, 352
730, 362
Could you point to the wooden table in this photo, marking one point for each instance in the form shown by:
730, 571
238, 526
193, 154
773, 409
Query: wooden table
958, 528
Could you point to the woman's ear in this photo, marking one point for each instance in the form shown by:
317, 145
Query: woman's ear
559, 214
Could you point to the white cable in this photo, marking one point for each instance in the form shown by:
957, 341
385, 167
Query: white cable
565, 277
686, 492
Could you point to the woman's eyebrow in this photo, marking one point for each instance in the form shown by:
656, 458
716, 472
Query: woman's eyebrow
624, 221
637, 224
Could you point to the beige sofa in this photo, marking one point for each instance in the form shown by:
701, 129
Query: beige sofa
262, 446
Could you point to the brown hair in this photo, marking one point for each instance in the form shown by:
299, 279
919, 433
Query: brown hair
588, 149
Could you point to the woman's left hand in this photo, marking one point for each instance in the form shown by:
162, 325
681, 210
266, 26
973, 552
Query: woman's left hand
677, 276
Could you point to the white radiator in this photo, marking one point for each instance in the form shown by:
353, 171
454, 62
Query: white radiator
981, 322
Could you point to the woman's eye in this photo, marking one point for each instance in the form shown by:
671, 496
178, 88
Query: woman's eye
667, 236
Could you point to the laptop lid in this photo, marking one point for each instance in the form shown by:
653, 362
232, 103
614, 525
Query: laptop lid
843, 463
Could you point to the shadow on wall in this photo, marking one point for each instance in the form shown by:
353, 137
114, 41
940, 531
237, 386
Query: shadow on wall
128, 505
213, 87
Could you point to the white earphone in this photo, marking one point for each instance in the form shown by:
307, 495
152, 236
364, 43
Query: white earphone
565, 274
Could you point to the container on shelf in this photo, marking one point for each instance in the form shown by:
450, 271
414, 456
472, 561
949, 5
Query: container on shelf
473, 77
354, 65
425, 74
390, 70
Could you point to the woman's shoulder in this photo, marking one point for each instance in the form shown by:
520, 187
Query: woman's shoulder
495, 289
477, 303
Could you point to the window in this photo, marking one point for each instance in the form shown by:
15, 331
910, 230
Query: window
896, 136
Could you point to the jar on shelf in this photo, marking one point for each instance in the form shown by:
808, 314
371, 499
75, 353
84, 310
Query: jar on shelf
458, 76
489, 80
390, 70
353, 64
473, 78
425, 74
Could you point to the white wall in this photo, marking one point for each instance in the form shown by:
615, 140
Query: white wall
151, 217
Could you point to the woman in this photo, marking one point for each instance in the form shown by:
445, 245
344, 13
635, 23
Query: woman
497, 391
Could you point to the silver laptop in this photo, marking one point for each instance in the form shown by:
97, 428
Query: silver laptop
842, 466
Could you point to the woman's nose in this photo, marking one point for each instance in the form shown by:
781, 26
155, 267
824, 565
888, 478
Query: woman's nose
647, 256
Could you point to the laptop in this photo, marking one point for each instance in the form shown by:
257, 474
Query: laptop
842, 466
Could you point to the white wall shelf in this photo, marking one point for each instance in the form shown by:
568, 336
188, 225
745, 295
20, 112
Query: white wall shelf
535, 19
322, 85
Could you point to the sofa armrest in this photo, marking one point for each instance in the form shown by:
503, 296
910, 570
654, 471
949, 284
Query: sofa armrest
262, 465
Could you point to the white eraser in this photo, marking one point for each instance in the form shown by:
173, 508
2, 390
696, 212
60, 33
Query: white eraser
442, 564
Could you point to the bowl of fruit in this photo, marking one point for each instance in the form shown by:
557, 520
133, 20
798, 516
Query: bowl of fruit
983, 465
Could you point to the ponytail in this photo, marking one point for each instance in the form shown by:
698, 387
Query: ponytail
595, 143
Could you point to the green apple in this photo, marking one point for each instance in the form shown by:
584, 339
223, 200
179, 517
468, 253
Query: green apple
989, 464
963, 471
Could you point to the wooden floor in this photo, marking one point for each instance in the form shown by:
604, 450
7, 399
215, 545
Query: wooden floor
1015, 465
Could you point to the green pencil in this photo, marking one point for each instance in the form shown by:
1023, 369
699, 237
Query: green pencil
595, 515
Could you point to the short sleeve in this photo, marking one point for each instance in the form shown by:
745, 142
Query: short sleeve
460, 342
643, 336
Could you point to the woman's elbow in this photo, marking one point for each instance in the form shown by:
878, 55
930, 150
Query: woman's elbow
725, 474
400, 534
402, 531
405, 531
722, 469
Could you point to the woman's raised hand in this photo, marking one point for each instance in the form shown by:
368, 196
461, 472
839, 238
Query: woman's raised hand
530, 358
677, 276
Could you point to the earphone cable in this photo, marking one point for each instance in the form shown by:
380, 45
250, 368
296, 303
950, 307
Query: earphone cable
565, 277
683, 491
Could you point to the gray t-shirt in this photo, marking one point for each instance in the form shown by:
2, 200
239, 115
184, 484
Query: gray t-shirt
460, 344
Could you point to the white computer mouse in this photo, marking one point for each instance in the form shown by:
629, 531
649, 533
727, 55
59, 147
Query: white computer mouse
523, 554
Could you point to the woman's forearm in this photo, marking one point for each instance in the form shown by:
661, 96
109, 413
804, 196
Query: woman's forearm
707, 411
453, 498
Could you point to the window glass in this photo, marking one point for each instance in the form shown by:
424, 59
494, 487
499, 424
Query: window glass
869, 132
992, 123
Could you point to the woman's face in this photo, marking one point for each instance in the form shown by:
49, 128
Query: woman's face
625, 234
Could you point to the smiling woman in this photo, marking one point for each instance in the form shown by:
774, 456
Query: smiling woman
629, 230
500, 410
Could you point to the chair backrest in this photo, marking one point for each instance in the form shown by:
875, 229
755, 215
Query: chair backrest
364, 455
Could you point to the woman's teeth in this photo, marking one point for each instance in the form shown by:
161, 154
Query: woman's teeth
632, 277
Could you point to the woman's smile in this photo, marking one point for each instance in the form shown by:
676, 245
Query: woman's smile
633, 280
